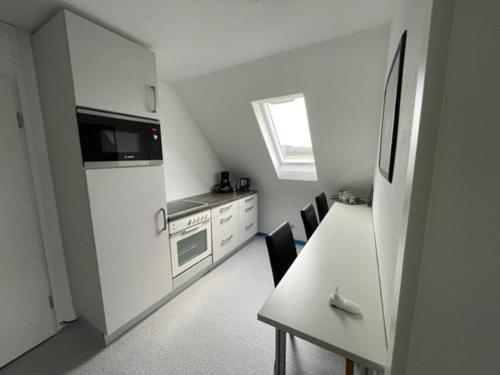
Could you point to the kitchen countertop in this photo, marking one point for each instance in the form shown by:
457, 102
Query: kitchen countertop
211, 200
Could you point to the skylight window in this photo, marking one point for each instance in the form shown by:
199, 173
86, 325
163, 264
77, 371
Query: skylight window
285, 128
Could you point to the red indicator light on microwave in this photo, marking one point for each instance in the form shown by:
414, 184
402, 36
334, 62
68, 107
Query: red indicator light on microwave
154, 130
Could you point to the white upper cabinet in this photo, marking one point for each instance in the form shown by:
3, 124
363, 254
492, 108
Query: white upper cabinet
110, 72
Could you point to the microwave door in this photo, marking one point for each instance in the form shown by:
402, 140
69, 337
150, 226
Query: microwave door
113, 140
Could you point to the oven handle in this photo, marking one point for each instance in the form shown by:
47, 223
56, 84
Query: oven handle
192, 229
164, 219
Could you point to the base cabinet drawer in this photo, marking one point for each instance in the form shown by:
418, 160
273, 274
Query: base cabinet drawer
224, 244
224, 223
227, 209
247, 230
247, 213
252, 199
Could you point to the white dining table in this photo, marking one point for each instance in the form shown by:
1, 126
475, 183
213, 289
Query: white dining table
341, 253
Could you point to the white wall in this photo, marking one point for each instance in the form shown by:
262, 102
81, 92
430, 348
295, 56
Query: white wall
456, 329
441, 246
342, 80
191, 166
389, 198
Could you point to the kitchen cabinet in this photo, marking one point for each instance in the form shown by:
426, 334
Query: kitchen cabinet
131, 240
115, 245
233, 224
109, 71
225, 243
224, 219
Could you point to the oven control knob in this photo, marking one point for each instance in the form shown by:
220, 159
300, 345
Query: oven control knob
189, 222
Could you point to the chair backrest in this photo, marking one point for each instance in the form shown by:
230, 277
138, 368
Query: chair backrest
281, 249
309, 219
322, 206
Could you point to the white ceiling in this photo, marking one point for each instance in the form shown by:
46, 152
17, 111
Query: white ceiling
194, 37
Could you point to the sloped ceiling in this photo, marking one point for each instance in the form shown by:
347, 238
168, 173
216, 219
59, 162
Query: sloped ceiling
193, 37
342, 81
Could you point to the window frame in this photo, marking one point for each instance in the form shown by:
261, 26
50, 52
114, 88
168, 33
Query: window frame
272, 127
286, 169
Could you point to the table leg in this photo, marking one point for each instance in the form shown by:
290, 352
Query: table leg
349, 367
280, 359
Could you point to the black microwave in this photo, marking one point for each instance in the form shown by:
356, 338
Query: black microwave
110, 139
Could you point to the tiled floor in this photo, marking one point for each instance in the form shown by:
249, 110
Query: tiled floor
210, 328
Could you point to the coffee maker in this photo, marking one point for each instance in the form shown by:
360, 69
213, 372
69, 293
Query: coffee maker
225, 184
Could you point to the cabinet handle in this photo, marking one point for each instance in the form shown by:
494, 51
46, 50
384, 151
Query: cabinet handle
248, 226
224, 209
224, 221
248, 200
224, 242
164, 219
153, 89
249, 209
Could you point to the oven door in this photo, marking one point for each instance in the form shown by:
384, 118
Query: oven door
190, 246
115, 140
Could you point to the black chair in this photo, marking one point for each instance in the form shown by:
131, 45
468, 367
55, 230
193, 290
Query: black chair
322, 206
281, 249
309, 219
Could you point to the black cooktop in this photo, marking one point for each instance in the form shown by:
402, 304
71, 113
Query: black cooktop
181, 205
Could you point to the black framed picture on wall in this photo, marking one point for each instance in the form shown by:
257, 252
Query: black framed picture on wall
390, 113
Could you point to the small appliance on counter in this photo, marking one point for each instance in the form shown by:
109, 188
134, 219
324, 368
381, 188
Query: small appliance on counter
347, 197
225, 185
244, 184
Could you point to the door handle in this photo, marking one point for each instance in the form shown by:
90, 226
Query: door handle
164, 213
249, 209
224, 209
153, 89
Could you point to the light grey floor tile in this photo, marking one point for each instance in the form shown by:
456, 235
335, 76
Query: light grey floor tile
210, 328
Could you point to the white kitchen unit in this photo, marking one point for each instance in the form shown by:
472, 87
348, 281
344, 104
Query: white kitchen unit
190, 241
247, 217
130, 239
232, 224
109, 71
113, 220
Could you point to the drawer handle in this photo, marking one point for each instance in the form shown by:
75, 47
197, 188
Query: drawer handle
224, 209
249, 226
224, 221
248, 200
249, 208
226, 241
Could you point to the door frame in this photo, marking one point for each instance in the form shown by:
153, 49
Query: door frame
26, 92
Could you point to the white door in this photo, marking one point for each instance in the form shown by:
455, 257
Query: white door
26, 318
131, 239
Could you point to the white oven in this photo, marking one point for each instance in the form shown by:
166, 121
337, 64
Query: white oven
190, 241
